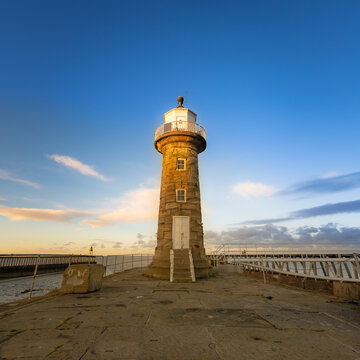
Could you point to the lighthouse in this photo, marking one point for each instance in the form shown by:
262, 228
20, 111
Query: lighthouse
180, 254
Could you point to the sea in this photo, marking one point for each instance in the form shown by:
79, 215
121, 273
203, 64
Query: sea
18, 288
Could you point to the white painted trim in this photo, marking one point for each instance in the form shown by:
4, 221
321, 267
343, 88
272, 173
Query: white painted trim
171, 265
192, 271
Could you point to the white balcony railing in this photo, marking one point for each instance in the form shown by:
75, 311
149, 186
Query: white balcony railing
180, 126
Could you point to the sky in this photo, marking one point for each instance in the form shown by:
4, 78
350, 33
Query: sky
85, 84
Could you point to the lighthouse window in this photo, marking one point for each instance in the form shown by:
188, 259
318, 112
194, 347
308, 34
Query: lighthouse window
180, 164
180, 195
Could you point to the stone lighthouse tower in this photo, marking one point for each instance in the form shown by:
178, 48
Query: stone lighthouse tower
180, 254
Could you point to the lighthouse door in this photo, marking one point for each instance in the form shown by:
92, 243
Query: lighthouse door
180, 232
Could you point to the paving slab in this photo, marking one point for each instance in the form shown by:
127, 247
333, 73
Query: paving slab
229, 316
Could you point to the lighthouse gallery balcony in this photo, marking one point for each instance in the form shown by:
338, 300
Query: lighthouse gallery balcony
179, 125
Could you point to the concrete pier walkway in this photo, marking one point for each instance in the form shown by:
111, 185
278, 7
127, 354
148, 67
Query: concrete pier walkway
230, 316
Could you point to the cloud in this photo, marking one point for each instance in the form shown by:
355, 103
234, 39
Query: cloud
141, 242
65, 216
2, 200
140, 239
330, 174
328, 233
117, 245
281, 234
251, 189
212, 237
327, 209
69, 243
6, 175
78, 166
135, 206
250, 234
324, 185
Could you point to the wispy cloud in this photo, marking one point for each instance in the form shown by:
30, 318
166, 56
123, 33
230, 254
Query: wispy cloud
78, 166
324, 185
64, 216
135, 206
2, 200
251, 189
327, 209
100, 243
7, 175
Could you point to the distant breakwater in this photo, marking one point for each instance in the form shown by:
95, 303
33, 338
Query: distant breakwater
24, 265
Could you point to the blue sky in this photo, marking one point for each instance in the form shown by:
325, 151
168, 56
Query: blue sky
275, 85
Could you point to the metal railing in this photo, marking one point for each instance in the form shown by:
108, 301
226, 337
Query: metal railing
56, 264
284, 248
119, 263
180, 126
8, 262
323, 267
28, 263
326, 261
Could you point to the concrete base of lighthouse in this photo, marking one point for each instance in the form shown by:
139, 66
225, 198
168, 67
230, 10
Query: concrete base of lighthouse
160, 268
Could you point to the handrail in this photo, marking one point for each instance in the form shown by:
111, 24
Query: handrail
325, 268
180, 125
240, 248
12, 261
119, 263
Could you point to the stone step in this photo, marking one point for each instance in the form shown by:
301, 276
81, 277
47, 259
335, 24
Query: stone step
181, 256
181, 271
182, 280
181, 261
181, 253
182, 266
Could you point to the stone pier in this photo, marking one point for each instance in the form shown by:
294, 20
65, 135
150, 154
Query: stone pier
230, 317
